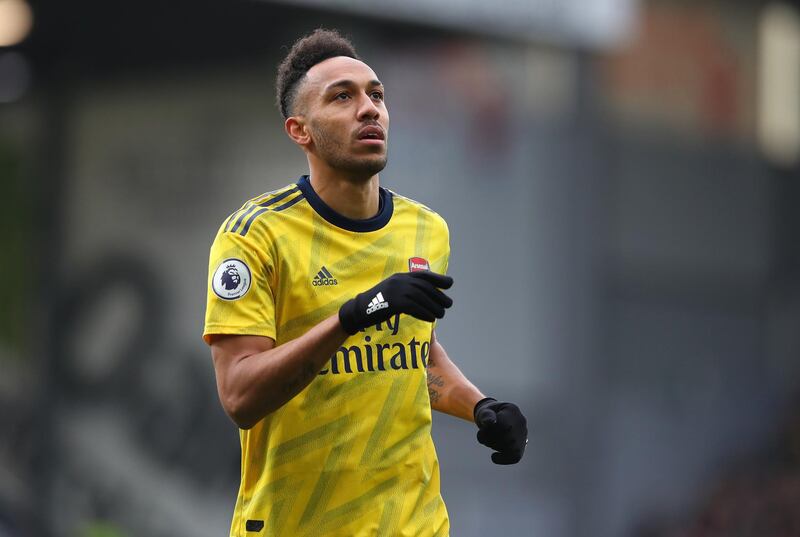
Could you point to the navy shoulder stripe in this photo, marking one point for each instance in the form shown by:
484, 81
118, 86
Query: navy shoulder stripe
232, 217
250, 220
255, 209
261, 209
236, 219
289, 203
242, 214
279, 197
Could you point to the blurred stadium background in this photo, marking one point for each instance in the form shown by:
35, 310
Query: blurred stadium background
627, 168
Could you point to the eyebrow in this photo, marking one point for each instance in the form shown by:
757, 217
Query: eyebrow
350, 83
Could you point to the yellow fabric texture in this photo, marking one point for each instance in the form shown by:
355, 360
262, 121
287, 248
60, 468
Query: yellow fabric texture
352, 454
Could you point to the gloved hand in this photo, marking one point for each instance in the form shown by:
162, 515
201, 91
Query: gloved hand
416, 293
502, 427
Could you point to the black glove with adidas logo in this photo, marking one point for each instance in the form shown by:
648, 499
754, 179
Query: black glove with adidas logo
415, 293
502, 427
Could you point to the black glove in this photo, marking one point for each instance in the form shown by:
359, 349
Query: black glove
414, 293
502, 427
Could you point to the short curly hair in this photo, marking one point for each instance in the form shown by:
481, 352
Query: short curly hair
306, 52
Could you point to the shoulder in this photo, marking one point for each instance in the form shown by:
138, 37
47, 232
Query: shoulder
260, 211
403, 204
400, 200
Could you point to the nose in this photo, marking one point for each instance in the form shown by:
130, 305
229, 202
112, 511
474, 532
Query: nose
367, 109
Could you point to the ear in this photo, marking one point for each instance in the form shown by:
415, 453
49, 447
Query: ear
296, 129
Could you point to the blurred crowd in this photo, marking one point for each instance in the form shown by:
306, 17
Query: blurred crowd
758, 497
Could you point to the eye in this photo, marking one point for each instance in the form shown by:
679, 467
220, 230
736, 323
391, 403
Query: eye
342, 96
377, 95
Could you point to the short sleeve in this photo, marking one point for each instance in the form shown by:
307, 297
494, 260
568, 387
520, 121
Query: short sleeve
240, 297
441, 261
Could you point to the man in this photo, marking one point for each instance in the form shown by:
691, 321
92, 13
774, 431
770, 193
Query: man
321, 301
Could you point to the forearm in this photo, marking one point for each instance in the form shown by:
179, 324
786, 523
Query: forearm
259, 383
449, 390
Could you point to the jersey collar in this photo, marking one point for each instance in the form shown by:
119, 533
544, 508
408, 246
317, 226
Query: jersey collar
375, 223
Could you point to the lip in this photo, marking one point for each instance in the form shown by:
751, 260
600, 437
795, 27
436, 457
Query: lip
370, 141
371, 130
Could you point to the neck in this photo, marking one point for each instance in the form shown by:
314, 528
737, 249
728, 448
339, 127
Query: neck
353, 197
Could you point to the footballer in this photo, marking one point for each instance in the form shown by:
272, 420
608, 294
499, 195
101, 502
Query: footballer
322, 299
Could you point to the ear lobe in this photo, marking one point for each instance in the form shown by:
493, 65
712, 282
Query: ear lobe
296, 130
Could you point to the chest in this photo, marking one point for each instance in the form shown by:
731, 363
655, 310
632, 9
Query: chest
318, 268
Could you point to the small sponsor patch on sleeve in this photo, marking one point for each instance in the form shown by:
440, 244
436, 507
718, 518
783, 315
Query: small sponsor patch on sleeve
232, 279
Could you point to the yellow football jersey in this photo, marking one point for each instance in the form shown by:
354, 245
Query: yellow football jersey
352, 454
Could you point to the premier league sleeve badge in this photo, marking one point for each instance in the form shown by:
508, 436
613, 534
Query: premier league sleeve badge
232, 279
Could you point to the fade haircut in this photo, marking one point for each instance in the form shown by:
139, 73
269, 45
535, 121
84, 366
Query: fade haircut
307, 52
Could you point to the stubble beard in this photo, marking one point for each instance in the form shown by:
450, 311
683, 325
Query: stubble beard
360, 168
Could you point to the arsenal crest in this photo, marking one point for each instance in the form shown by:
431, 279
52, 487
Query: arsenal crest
416, 264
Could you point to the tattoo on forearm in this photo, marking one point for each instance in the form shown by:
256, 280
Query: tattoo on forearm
434, 382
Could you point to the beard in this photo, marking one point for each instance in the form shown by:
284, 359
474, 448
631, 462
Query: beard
333, 152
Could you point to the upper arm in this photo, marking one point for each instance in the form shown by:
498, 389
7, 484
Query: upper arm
229, 350
228, 353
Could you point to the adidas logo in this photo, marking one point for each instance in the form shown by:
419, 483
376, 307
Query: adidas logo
377, 303
324, 277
